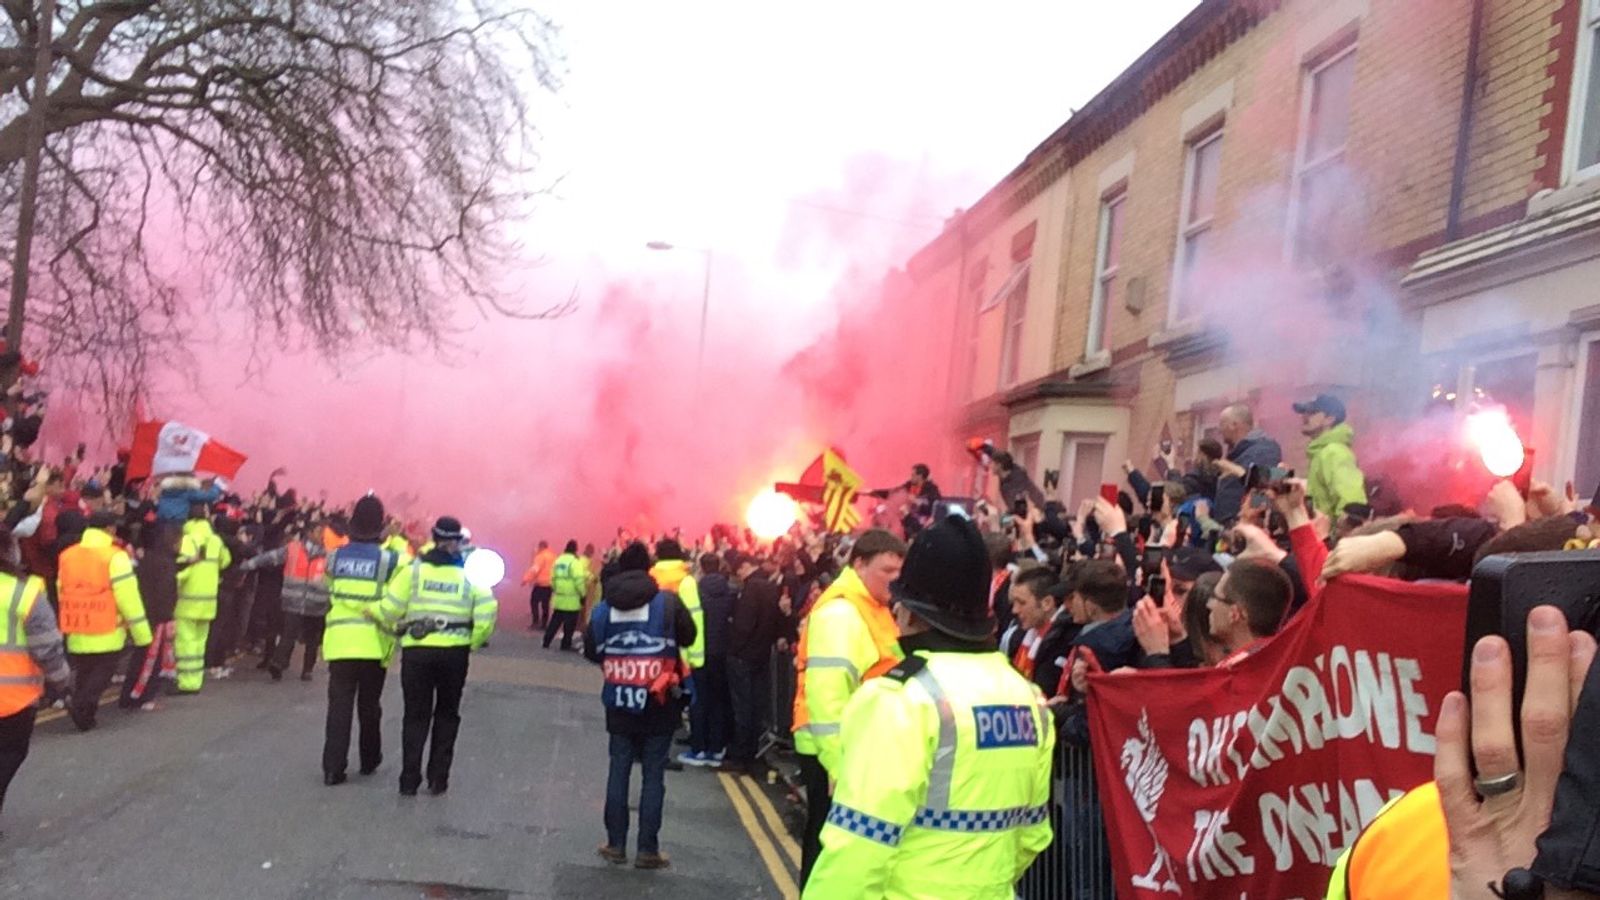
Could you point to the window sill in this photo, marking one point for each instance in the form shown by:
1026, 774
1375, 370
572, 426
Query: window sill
1578, 188
1098, 361
1175, 332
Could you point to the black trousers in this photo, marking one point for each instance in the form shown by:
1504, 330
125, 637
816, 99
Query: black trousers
564, 620
539, 606
354, 685
302, 629
16, 730
92, 675
432, 679
748, 699
818, 801
710, 712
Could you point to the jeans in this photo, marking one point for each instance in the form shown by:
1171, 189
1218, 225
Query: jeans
650, 751
432, 679
539, 606
748, 698
354, 685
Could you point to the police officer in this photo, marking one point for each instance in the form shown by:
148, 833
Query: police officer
569, 578
100, 610
356, 643
441, 617
944, 783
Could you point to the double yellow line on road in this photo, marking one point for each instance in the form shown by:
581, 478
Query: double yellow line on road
748, 798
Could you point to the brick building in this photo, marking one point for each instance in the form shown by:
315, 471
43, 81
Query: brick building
1385, 199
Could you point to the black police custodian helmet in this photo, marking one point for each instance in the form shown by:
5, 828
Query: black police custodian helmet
945, 580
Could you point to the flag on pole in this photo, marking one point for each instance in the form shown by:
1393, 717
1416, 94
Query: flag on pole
161, 448
840, 483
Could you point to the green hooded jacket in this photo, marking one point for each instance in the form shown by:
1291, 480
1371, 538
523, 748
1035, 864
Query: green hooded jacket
1335, 481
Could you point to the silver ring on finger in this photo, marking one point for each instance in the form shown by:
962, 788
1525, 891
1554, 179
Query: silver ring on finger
1494, 787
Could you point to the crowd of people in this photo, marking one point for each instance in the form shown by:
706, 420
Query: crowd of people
1199, 566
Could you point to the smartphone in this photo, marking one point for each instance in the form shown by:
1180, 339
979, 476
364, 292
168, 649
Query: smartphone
1151, 563
1504, 588
1108, 492
1156, 587
1158, 497
1019, 507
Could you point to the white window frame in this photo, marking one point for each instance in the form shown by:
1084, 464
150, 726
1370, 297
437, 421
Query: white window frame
1588, 342
1187, 229
1588, 56
1011, 345
1302, 165
1115, 199
1032, 441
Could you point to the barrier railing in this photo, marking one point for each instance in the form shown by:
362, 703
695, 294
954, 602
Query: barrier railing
1077, 864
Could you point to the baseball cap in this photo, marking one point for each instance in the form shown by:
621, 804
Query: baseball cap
1324, 403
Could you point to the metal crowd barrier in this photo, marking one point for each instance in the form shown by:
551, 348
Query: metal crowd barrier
780, 712
1077, 864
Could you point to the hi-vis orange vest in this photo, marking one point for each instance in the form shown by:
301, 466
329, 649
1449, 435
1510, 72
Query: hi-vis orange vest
885, 637
299, 566
1403, 853
21, 681
88, 605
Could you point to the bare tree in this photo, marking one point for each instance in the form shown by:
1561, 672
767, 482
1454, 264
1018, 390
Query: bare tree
337, 169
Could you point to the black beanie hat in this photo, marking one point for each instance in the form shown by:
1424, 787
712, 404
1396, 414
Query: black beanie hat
945, 580
448, 528
635, 558
366, 520
572, 547
1189, 563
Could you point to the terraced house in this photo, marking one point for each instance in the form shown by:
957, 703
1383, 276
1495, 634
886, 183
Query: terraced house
1394, 200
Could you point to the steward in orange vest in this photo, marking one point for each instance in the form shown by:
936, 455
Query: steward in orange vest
31, 654
305, 598
100, 611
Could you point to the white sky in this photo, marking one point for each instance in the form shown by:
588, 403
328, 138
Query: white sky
698, 123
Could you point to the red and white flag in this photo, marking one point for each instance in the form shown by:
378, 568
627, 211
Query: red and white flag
161, 448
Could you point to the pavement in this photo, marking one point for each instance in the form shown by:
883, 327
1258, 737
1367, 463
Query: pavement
220, 795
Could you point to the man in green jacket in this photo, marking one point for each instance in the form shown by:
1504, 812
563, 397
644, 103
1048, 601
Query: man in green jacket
1335, 481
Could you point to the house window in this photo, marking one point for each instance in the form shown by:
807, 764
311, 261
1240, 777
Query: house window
1585, 120
1083, 467
1586, 472
1011, 341
976, 298
1324, 131
1196, 240
1107, 260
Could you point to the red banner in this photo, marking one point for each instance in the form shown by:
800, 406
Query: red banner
1249, 781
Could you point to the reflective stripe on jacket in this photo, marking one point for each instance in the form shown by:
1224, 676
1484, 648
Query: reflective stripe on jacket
943, 786
567, 581
305, 582
848, 638
201, 558
358, 574
440, 598
21, 679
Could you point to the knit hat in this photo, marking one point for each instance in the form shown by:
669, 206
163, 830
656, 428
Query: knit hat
635, 558
945, 580
366, 520
447, 528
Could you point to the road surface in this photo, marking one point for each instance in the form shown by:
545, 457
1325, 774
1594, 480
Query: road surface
220, 796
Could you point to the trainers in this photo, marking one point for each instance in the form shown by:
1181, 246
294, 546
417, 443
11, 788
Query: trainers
717, 757
150, 706
695, 758
651, 861
612, 855
219, 672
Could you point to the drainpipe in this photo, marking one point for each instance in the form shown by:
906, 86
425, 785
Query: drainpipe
1469, 89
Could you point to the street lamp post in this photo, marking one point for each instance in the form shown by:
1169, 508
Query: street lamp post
705, 306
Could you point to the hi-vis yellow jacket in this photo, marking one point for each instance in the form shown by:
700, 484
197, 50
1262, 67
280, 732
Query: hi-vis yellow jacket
101, 608
848, 637
672, 575
944, 787
201, 558
461, 614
